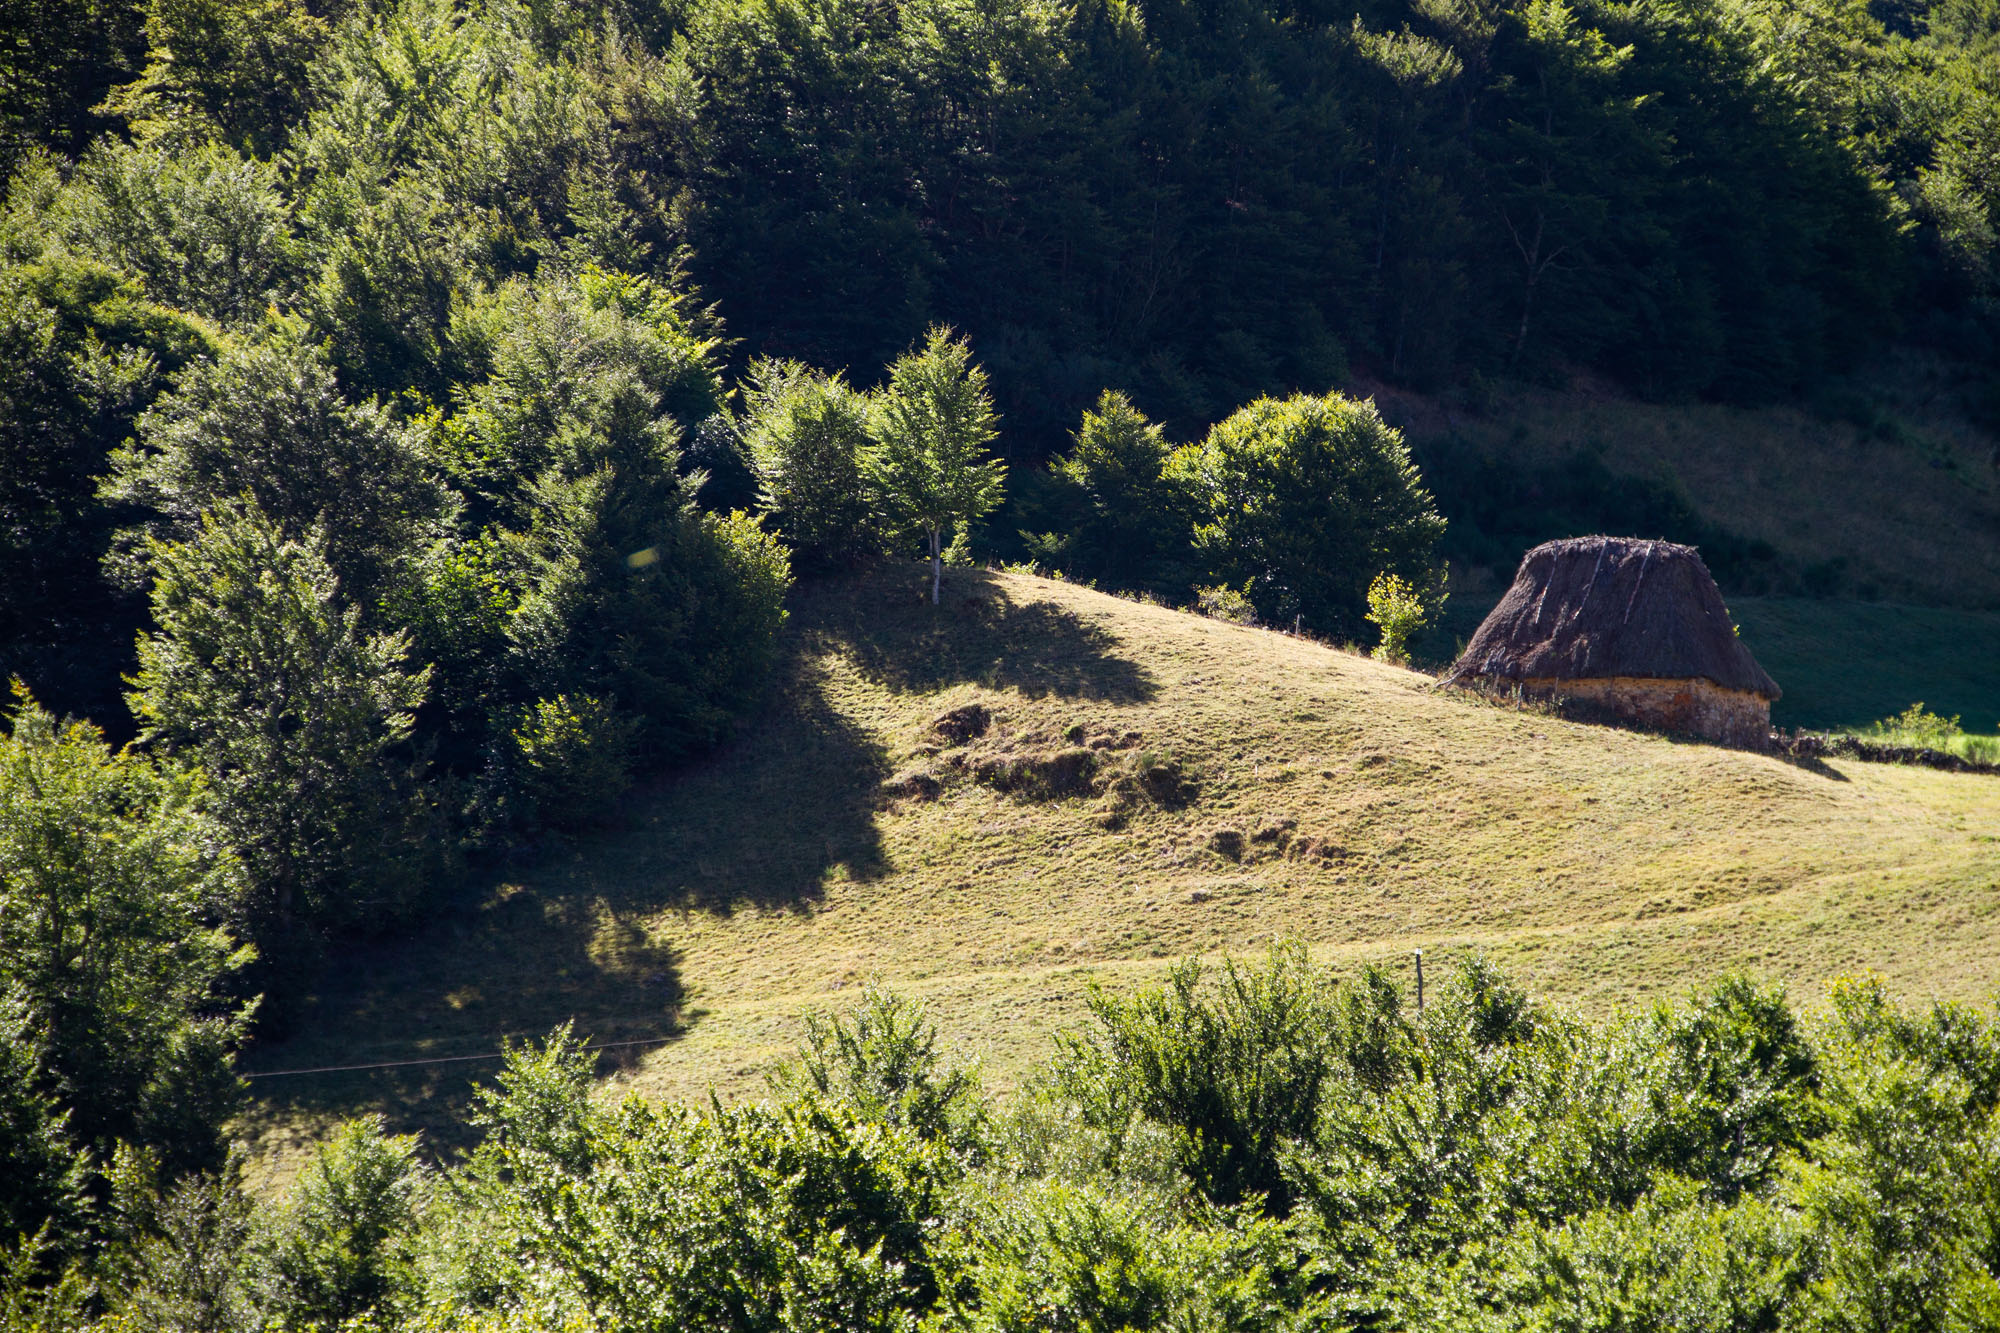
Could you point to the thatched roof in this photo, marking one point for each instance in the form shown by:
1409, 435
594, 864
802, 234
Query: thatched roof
1591, 607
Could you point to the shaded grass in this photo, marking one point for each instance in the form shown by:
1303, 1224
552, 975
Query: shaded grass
1889, 490
1604, 866
1847, 664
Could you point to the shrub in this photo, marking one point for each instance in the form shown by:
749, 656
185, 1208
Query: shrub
341, 1249
1898, 1198
1234, 1070
573, 757
882, 1060
1742, 1084
1302, 501
1057, 1256
808, 1215
1674, 1263
1919, 727
750, 610
1223, 602
1126, 522
1399, 609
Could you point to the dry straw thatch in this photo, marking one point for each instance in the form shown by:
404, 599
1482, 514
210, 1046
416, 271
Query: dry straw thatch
1633, 628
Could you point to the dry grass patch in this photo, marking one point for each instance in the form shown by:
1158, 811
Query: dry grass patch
1317, 793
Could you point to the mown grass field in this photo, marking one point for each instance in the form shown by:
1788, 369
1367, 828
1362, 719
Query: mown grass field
1603, 867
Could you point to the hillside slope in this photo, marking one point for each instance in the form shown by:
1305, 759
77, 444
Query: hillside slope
1376, 814
1886, 490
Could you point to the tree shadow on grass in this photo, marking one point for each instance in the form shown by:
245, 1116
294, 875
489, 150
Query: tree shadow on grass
764, 822
759, 825
577, 936
1812, 764
406, 1027
885, 624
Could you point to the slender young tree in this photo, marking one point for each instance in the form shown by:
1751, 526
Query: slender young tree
929, 467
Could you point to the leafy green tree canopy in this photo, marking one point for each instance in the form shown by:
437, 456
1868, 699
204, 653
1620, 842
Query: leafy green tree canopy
82, 352
620, 588
342, 1251
111, 881
1307, 499
807, 434
1127, 523
42, 1174
266, 419
233, 71
206, 229
261, 677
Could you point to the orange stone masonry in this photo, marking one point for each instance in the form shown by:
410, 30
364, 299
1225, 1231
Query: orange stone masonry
1696, 706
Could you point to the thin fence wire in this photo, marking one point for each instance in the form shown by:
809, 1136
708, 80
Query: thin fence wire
442, 1060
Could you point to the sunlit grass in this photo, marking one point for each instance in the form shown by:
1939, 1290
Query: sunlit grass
1374, 814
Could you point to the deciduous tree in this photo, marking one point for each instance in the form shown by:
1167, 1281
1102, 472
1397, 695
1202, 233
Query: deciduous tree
929, 466
807, 434
260, 676
111, 881
1308, 498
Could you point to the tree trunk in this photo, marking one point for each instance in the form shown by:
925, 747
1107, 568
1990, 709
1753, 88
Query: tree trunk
937, 563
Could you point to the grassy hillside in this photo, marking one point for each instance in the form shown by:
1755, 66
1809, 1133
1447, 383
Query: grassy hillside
1235, 785
1885, 490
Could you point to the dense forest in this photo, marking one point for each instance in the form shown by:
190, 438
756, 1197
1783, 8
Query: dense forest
1193, 203
414, 414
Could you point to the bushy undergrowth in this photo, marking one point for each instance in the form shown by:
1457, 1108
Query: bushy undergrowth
1916, 727
1263, 1146
1914, 735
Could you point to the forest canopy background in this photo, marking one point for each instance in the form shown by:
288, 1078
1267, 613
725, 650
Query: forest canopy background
1192, 202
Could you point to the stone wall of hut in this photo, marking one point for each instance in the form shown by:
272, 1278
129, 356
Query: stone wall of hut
1698, 707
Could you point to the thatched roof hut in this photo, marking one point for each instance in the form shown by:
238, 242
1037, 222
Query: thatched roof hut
1635, 629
